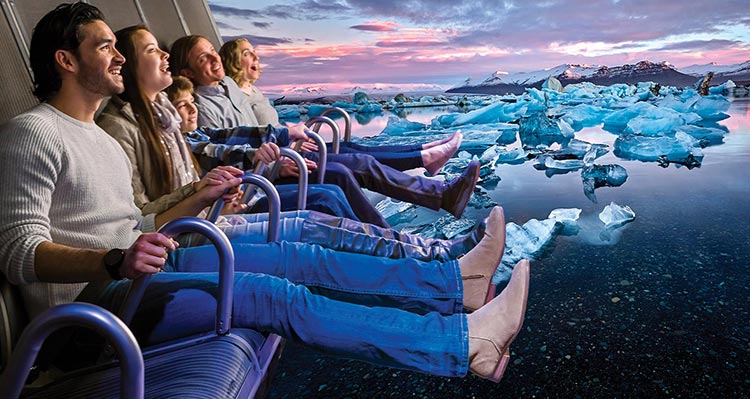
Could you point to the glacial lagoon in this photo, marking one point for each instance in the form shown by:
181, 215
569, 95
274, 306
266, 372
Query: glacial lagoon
655, 307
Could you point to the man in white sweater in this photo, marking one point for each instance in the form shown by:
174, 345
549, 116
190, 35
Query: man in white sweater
61, 214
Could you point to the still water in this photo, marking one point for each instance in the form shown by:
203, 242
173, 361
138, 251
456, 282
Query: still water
659, 310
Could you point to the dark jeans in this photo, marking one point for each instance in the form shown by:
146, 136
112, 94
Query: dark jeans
352, 172
324, 198
399, 157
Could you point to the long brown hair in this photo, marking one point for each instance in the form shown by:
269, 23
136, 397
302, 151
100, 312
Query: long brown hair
142, 108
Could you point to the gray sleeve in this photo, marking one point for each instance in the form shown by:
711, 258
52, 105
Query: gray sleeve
30, 162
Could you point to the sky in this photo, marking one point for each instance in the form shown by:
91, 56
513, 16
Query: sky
343, 43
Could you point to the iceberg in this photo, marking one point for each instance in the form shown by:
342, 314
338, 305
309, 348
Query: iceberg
396, 212
681, 148
584, 115
524, 242
614, 215
712, 107
538, 129
595, 176
399, 126
288, 112
706, 136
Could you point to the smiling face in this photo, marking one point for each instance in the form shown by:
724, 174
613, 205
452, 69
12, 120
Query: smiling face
249, 62
99, 63
204, 64
185, 105
152, 67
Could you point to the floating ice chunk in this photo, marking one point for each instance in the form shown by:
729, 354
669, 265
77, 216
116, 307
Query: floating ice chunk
722, 88
525, 242
565, 215
497, 112
511, 156
614, 215
595, 176
369, 108
538, 129
398, 126
677, 103
552, 84
288, 112
712, 107
451, 227
547, 161
345, 105
584, 115
361, 98
706, 135
680, 148
396, 212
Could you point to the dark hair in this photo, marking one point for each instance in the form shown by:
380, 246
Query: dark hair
179, 53
142, 109
179, 84
59, 29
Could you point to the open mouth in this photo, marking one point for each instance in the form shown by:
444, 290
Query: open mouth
164, 68
115, 71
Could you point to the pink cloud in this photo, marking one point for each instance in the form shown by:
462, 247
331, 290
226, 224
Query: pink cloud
377, 26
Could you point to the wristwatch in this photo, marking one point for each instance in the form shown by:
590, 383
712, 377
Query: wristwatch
112, 261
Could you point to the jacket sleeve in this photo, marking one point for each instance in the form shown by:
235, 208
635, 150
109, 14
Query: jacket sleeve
128, 136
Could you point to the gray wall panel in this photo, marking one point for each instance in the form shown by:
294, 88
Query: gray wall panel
199, 20
162, 17
163, 20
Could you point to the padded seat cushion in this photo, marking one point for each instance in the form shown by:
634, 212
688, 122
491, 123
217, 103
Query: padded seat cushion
217, 367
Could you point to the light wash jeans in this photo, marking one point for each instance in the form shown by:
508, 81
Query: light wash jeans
349, 305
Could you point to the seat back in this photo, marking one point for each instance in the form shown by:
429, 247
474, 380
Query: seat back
13, 319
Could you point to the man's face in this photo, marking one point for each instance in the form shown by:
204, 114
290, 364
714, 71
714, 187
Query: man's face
99, 63
204, 64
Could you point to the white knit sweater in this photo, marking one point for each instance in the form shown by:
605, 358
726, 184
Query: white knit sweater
63, 181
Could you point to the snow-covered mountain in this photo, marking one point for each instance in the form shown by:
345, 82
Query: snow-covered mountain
738, 73
501, 82
725, 70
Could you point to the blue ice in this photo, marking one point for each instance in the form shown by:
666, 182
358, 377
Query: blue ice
679, 148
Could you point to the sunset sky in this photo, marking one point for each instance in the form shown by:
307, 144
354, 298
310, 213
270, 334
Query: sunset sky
442, 42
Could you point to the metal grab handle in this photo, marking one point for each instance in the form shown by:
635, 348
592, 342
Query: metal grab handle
347, 121
334, 128
274, 204
226, 271
302, 180
75, 314
322, 153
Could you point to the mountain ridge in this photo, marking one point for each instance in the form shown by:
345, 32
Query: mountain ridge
663, 73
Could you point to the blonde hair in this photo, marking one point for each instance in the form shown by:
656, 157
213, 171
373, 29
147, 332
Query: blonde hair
231, 59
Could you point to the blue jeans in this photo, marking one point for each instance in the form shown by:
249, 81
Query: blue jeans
399, 157
316, 296
345, 235
325, 198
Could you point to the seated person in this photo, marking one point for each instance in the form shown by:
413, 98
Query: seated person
143, 76
221, 104
308, 226
69, 212
242, 64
